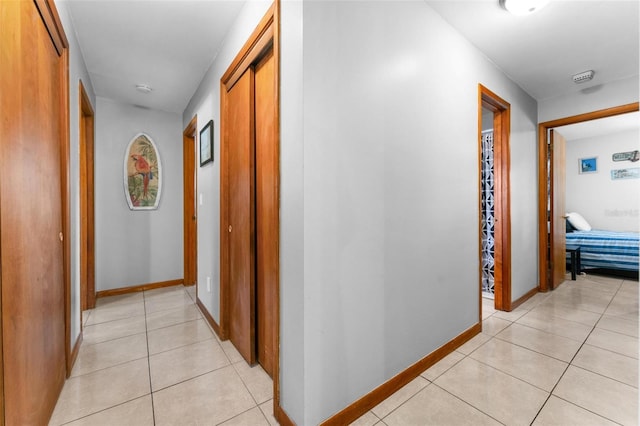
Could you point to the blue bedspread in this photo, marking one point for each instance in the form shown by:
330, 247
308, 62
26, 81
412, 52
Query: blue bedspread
606, 249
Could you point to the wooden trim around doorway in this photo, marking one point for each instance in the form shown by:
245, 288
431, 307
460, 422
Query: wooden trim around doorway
87, 207
190, 213
279, 413
265, 36
502, 194
249, 54
66, 205
261, 39
543, 194
52, 22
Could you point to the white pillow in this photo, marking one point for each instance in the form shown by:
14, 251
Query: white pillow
578, 222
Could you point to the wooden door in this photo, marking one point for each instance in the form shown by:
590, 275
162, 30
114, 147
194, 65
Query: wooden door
33, 101
189, 203
267, 207
239, 126
249, 199
501, 194
87, 221
557, 208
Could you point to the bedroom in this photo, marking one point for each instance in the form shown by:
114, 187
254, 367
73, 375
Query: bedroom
602, 193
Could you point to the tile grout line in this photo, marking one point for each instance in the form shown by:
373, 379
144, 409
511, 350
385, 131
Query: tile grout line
466, 402
105, 368
533, 350
141, 332
245, 384
153, 410
197, 376
102, 410
573, 359
404, 402
509, 374
568, 364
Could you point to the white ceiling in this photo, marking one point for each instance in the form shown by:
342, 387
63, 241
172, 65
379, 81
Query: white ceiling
168, 45
543, 50
603, 126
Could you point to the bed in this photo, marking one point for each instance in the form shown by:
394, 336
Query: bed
601, 251
606, 249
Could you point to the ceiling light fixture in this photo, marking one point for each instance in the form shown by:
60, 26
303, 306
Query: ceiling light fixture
523, 7
583, 77
144, 88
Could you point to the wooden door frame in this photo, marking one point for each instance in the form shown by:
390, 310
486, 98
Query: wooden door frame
543, 193
87, 207
190, 213
266, 34
502, 196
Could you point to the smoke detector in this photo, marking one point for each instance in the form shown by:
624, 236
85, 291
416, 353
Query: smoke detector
583, 77
144, 88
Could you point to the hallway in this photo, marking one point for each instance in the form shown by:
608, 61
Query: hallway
150, 358
566, 357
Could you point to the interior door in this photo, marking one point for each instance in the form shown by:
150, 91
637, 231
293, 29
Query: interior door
87, 211
557, 211
267, 204
239, 125
32, 134
189, 204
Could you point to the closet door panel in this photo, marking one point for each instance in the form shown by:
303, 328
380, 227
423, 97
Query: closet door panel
240, 138
267, 211
31, 250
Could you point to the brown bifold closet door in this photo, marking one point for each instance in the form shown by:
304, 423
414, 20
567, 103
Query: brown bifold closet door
252, 171
267, 172
239, 125
33, 96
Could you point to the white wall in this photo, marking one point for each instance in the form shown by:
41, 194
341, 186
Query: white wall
599, 97
205, 103
605, 203
292, 221
390, 230
487, 119
144, 246
77, 72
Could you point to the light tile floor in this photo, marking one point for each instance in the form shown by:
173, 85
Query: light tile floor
150, 358
565, 357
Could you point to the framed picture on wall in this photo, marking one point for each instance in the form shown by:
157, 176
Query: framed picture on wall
588, 165
142, 173
206, 144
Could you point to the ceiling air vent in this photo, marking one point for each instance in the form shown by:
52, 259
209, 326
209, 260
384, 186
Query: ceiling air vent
583, 77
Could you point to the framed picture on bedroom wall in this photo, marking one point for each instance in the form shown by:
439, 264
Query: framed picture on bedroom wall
588, 165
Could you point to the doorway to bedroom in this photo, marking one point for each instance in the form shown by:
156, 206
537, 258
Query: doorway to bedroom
551, 213
494, 118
